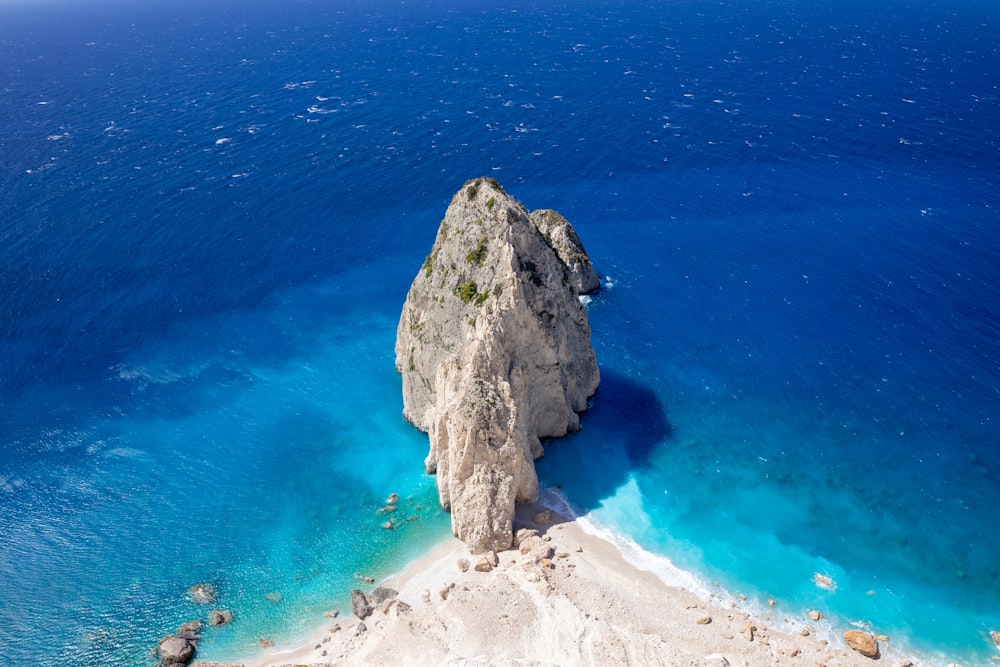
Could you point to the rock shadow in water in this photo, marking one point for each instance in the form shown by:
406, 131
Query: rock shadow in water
625, 424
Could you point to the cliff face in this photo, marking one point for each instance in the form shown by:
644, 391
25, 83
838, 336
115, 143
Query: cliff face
494, 349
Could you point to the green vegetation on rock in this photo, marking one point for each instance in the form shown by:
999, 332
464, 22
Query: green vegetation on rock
466, 291
477, 254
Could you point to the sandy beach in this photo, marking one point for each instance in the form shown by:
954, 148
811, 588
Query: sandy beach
563, 597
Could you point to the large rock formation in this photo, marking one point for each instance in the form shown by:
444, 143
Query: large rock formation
494, 349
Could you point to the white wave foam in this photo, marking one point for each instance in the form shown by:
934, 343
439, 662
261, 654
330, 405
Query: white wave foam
661, 566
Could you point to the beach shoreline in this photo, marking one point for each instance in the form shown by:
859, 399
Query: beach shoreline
567, 596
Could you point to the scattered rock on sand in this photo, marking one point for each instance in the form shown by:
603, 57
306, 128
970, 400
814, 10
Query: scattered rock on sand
528, 544
815, 615
176, 651
202, 593
522, 534
492, 558
748, 630
334, 613
463, 564
361, 604
862, 642
703, 620
484, 565
381, 594
395, 605
220, 617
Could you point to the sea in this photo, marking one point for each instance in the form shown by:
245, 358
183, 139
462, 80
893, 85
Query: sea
211, 212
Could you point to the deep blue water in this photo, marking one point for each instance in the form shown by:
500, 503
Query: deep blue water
210, 214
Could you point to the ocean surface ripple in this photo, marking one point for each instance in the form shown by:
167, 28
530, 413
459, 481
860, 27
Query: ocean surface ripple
210, 214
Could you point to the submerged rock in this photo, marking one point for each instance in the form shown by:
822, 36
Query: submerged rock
220, 617
189, 629
494, 348
202, 593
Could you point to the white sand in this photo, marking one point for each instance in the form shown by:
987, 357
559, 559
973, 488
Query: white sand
590, 607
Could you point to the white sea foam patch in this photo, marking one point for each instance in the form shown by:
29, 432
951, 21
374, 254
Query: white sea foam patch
144, 375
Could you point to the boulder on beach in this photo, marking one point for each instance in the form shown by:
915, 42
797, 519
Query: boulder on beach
361, 605
381, 594
862, 642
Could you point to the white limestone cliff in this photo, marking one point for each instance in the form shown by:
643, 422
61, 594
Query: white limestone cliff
494, 349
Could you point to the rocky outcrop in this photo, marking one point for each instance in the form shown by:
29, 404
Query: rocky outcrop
176, 651
494, 348
561, 236
220, 617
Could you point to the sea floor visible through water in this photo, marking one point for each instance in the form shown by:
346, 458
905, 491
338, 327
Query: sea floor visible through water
211, 216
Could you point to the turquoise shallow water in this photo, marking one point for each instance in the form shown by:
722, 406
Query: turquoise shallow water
210, 216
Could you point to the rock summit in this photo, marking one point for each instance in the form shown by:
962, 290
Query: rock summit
493, 345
